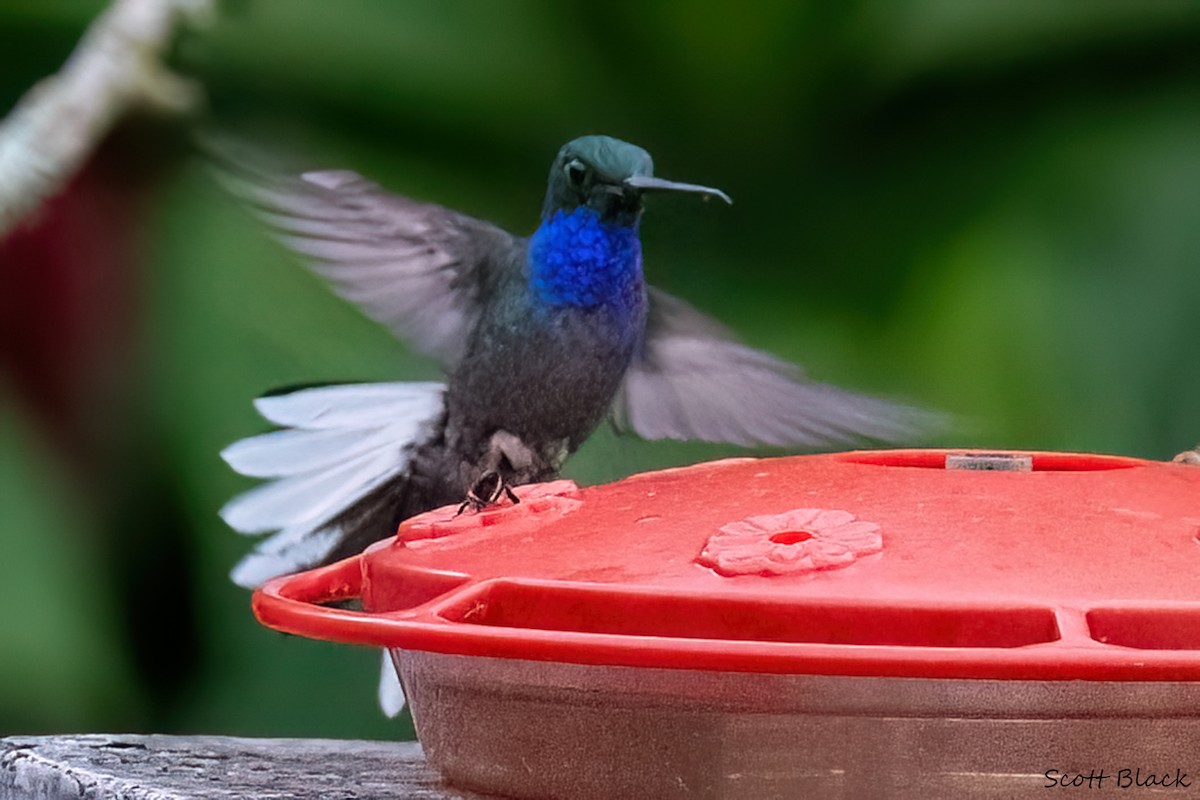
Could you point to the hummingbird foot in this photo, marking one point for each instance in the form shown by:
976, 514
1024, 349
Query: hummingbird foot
487, 491
490, 483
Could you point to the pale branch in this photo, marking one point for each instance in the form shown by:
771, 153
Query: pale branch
116, 67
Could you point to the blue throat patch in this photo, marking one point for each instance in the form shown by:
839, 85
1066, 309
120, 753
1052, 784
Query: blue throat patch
577, 260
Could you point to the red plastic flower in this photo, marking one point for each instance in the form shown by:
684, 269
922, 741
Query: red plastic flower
801, 540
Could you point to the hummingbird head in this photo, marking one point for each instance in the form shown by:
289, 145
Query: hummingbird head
608, 176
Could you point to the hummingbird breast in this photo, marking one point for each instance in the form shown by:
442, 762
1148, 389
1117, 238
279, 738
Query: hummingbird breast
551, 349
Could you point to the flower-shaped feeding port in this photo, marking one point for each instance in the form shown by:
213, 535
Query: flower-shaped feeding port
797, 541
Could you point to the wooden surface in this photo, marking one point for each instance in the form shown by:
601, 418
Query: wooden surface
118, 767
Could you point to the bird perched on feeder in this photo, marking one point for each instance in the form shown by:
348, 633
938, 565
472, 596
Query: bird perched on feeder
542, 337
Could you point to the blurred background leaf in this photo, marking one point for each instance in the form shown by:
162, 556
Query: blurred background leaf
989, 208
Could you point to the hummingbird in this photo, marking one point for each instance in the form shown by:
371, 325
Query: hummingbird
542, 338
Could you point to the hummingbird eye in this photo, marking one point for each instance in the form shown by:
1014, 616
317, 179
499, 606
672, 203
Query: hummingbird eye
576, 172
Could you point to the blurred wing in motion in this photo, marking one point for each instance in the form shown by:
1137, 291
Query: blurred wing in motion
420, 269
692, 380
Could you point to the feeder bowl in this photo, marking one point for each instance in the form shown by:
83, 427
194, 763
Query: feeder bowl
911, 623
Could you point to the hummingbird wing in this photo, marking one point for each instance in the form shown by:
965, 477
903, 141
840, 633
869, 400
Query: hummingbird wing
420, 269
693, 380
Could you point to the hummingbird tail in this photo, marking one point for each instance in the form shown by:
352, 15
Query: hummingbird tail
391, 692
339, 447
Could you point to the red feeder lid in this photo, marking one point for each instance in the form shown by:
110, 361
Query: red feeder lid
918, 563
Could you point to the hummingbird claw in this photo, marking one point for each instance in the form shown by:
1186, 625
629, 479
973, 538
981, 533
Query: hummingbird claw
487, 491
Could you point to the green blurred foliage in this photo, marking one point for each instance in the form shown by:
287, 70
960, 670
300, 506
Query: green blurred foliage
989, 208
59, 668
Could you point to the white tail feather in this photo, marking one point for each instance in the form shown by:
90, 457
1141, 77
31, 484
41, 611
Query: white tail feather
391, 692
292, 452
270, 560
344, 442
311, 496
357, 405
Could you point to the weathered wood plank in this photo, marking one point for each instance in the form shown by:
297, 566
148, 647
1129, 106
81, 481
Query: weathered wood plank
128, 767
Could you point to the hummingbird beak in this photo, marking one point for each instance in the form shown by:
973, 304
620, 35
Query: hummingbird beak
644, 182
